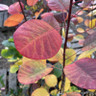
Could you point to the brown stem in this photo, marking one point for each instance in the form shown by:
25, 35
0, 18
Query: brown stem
65, 45
22, 10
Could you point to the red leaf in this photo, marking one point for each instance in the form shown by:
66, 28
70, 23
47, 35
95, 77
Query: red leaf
82, 73
59, 5
61, 17
3, 7
32, 2
31, 71
15, 8
36, 39
49, 18
90, 42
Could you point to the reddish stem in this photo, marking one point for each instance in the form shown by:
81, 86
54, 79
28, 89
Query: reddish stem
65, 44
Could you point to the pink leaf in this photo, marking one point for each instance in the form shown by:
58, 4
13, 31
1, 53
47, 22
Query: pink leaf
3, 7
49, 18
82, 73
31, 70
59, 5
36, 39
15, 8
32, 2
90, 42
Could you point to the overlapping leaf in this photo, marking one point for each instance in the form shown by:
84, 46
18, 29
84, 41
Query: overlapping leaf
32, 2
82, 73
31, 71
3, 7
51, 80
90, 42
36, 39
13, 20
59, 5
15, 8
49, 18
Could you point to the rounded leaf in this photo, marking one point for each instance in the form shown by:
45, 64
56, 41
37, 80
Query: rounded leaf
15, 8
82, 73
36, 39
40, 92
31, 71
72, 94
13, 20
51, 80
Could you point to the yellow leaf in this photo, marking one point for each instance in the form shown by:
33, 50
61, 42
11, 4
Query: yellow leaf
70, 56
54, 92
51, 80
67, 84
40, 92
92, 24
57, 57
86, 54
14, 68
79, 37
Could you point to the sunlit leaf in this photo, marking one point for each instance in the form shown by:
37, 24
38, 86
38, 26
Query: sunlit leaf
80, 30
92, 23
67, 84
82, 73
40, 92
57, 57
15, 8
69, 56
78, 37
32, 2
92, 90
3, 7
86, 54
14, 68
90, 42
13, 20
50, 19
31, 70
51, 80
36, 39
59, 5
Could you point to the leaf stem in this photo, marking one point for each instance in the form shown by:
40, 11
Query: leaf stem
65, 45
22, 10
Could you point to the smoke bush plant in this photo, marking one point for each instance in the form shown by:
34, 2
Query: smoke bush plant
45, 63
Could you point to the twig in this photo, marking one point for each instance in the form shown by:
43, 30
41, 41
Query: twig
65, 45
22, 10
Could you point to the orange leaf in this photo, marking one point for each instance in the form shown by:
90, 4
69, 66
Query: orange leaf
38, 13
13, 20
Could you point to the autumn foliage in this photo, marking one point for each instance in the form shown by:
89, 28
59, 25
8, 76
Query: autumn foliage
40, 41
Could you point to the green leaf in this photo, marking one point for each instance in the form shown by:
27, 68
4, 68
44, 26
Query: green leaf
14, 68
57, 69
6, 43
